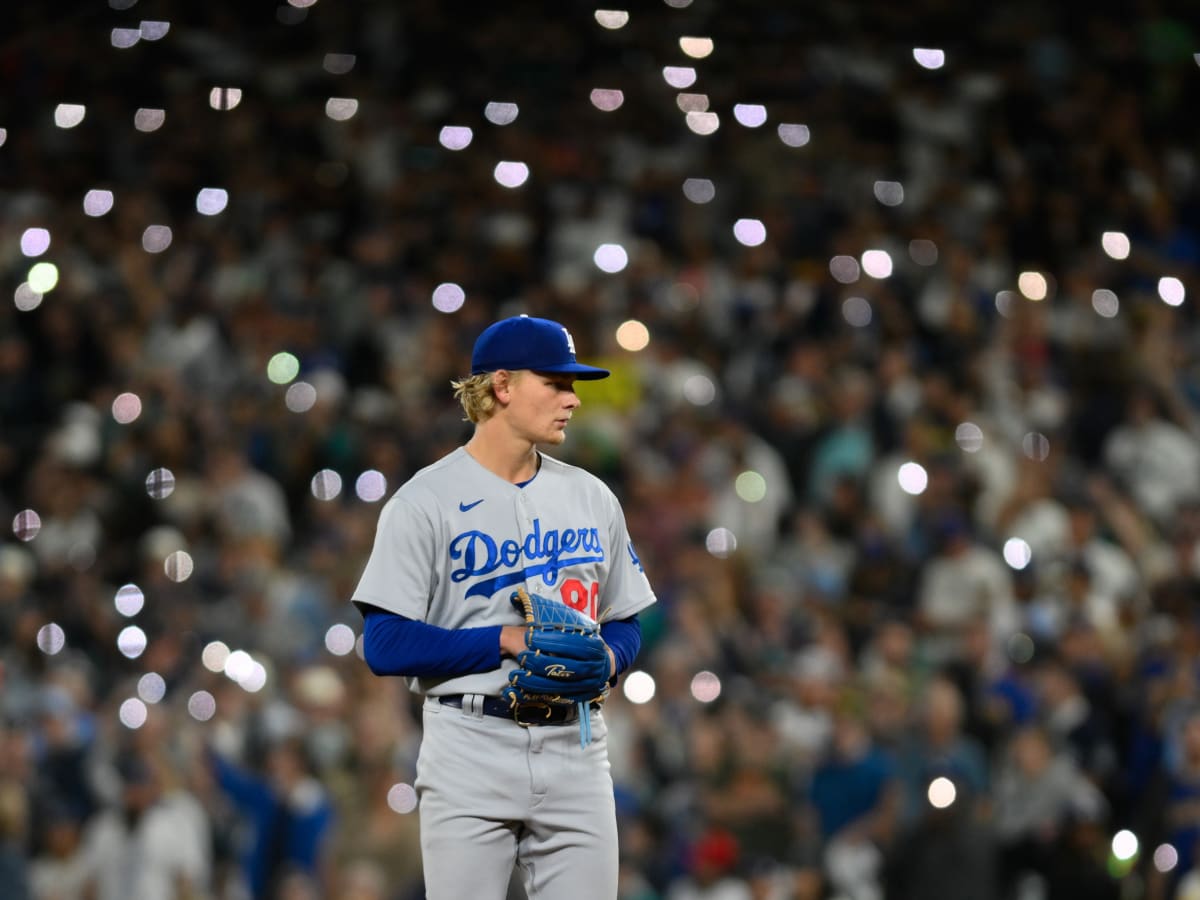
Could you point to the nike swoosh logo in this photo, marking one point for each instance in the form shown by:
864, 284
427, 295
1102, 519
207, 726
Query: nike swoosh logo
466, 506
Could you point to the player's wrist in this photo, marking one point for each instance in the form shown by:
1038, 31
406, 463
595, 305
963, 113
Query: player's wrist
512, 640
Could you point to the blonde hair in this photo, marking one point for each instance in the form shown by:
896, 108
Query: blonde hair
476, 395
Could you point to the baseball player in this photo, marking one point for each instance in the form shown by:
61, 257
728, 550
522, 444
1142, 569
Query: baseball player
470, 554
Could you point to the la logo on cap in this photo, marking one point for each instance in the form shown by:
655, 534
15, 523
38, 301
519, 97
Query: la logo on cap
570, 341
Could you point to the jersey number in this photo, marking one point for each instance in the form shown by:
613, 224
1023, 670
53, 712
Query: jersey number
580, 597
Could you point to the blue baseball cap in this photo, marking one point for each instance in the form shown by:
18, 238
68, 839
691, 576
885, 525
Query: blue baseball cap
524, 342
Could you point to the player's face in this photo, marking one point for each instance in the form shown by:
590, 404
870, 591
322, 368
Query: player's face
541, 404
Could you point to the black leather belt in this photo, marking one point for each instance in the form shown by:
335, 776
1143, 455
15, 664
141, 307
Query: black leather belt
527, 714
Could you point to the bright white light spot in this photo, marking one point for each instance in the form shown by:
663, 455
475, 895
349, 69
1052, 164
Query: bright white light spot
1105, 303
339, 63
929, 58
691, 102
844, 269
678, 4
43, 277
750, 486
202, 706
941, 792
210, 201
1017, 553
699, 190
639, 687
153, 31
283, 367
703, 122
160, 483
129, 600
214, 655
26, 525
448, 297
607, 99
889, 193
68, 115
877, 263
794, 135
132, 713
156, 238
178, 566
610, 258
339, 640
370, 486
1170, 289
696, 47
402, 798
97, 202
923, 252
720, 542
706, 686
612, 19
3, 136
857, 311
633, 336
26, 298
752, 115
255, 679
131, 641
749, 232
501, 113
149, 119
455, 137
35, 241
913, 478
1035, 445
238, 665
699, 390
152, 687
969, 437
1033, 285
1166, 858
300, 397
1115, 244
224, 97
1124, 845
326, 484
51, 638
511, 174
341, 108
679, 76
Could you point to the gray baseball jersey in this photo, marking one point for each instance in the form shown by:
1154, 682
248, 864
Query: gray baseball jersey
456, 540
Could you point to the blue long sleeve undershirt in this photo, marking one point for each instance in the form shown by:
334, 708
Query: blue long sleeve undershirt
396, 645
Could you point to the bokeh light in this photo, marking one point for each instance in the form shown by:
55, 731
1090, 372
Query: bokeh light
214, 655
501, 113
43, 277
1036, 446
969, 437
749, 232
913, 478
1115, 244
929, 57
131, 641
638, 687
283, 367
752, 115
341, 108
129, 600
511, 174
706, 686
720, 542
339, 63
750, 486
153, 30
339, 639
326, 485
202, 706
156, 238
923, 252
877, 263
857, 312
211, 201
178, 566
612, 19
300, 396
1020, 648
51, 638
124, 38
689, 102
35, 241
696, 47
26, 525
1124, 845
455, 137
942, 792
402, 798
844, 269
1033, 285
699, 190
152, 687
1170, 290
699, 390
133, 713
702, 122
610, 258
633, 336
1166, 858
679, 76
448, 297
794, 134
97, 202
68, 115
160, 483
147, 120
607, 99
224, 97
370, 486
26, 298
1105, 303
889, 193
1017, 553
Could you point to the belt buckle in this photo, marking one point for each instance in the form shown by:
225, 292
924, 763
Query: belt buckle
532, 706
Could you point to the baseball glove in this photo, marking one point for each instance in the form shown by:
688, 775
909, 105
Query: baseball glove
565, 662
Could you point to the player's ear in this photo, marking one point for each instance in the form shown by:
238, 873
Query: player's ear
501, 383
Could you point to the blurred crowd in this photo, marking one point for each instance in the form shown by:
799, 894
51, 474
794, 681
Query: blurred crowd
924, 527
